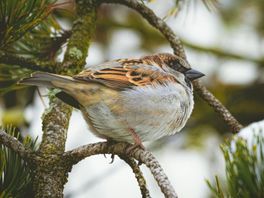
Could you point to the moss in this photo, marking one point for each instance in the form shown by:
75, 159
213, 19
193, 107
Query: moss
52, 93
75, 53
55, 124
50, 171
78, 45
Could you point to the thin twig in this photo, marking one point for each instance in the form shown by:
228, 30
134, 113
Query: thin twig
177, 46
16, 146
144, 31
74, 156
138, 174
223, 53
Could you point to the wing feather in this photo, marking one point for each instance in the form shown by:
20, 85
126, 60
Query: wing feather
126, 75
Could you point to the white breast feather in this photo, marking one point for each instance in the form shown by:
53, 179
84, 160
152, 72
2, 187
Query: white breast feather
151, 111
157, 111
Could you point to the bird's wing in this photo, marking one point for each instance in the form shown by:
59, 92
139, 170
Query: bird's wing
127, 75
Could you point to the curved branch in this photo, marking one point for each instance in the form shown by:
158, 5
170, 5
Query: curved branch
223, 53
233, 124
29, 63
177, 46
155, 21
12, 143
139, 175
74, 156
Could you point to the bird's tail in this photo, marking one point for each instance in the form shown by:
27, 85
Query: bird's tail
47, 80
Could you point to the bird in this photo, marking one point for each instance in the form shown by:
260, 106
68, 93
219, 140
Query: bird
131, 100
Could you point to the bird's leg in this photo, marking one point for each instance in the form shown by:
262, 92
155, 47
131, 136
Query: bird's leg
111, 142
137, 141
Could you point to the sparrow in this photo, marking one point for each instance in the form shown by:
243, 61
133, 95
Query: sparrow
129, 100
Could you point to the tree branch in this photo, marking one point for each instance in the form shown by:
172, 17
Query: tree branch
143, 156
218, 52
177, 46
29, 63
233, 124
144, 32
50, 173
155, 21
12, 143
139, 175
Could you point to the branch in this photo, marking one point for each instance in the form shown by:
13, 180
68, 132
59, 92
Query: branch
177, 46
12, 143
233, 124
223, 53
50, 175
155, 21
29, 63
80, 36
139, 175
145, 157
144, 32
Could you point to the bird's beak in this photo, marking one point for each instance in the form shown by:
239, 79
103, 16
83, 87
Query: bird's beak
193, 74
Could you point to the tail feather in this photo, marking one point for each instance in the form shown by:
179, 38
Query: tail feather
45, 79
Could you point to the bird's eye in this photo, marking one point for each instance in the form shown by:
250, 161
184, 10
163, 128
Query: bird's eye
176, 65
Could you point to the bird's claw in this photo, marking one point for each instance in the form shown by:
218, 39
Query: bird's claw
112, 159
130, 149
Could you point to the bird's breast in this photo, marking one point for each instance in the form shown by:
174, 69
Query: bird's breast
156, 111
151, 111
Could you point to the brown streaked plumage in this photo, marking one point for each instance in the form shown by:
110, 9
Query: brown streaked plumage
129, 99
128, 76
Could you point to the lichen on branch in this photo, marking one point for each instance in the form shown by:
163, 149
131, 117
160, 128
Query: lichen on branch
122, 149
56, 117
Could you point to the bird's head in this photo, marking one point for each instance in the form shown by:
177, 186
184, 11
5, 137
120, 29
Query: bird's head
177, 66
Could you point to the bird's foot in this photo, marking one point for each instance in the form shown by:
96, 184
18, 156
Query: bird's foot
110, 142
112, 159
139, 145
133, 147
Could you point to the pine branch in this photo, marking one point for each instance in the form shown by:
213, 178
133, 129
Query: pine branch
244, 160
12, 143
15, 168
138, 174
29, 63
223, 53
177, 46
18, 17
143, 156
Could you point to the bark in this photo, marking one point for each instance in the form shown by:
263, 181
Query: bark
33, 64
74, 156
138, 174
50, 172
12, 143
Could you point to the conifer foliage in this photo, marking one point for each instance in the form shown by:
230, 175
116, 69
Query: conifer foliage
244, 169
